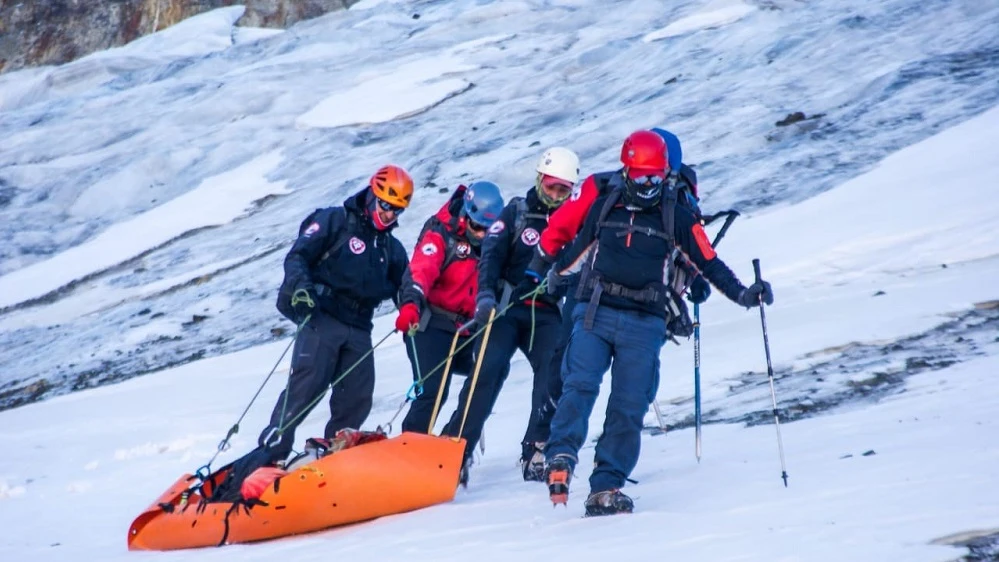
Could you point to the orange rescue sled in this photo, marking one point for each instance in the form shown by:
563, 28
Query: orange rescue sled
395, 475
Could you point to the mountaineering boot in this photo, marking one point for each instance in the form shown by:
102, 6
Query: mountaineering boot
558, 473
608, 502
532, 462
463, 473
317, 447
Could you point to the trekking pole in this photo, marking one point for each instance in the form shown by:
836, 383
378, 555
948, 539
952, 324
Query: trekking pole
770, 374
661, 430
697, 381
730, 217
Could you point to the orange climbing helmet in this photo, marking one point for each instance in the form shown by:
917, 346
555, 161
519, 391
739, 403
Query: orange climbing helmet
393, 185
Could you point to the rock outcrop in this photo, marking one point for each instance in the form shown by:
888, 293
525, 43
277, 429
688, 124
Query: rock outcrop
39, 32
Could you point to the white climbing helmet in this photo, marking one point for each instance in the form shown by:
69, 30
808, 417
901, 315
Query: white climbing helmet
559, 162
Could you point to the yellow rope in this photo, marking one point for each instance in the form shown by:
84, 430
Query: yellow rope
475, 375
444, 376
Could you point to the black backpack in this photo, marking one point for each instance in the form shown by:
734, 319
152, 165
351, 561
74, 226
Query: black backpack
678, 318
287, 288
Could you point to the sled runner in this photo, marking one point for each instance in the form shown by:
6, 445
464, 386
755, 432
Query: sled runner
360, 483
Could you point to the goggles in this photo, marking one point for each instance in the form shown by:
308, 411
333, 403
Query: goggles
388, 207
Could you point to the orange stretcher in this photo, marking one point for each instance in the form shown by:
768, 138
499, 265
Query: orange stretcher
394, 475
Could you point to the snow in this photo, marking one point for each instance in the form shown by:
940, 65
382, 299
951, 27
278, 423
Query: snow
218, 200
391, 93
129, 224
713, 15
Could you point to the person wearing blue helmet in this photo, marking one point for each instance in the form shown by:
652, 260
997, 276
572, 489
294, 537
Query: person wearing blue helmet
437, 298
685, 179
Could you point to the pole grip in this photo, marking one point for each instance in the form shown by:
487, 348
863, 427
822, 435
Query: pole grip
756, 269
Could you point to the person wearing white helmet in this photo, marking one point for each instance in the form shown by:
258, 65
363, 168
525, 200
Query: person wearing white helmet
532, 323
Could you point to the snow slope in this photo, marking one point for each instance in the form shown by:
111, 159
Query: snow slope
454, 90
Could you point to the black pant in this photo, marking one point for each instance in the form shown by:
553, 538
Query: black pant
432, 347
511, 332
325, 348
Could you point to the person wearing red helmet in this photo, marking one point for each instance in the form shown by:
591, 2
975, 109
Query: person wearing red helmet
625, 254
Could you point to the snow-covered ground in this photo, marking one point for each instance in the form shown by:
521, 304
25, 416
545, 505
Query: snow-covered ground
147, 201
454, 90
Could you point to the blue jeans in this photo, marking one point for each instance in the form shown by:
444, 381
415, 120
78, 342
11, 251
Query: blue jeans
629, 343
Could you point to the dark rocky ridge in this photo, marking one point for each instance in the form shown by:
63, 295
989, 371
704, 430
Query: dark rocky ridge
44, 32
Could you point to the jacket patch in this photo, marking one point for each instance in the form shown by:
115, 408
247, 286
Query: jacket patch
429, 249
497, 227
463, 250
530, 237
356, 245
312, 229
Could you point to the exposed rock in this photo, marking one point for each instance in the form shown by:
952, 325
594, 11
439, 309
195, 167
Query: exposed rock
39, 32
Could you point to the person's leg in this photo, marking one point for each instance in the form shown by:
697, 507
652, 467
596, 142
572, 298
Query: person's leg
350, 401
500, 347
635, 378
587, 357
546, 325
431, 347
312, 363
554, 391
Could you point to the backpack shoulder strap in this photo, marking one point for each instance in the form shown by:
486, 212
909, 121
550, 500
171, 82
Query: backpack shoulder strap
350, 224
612, 198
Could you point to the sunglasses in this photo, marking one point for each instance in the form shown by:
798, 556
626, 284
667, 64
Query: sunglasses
388, 207
472, 225
647, 180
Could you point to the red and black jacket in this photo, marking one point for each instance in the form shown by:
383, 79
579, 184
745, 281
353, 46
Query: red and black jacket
442, 277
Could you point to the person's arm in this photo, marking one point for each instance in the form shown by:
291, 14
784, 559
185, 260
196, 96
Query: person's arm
424, 269
496, 250
693, 242
314, 239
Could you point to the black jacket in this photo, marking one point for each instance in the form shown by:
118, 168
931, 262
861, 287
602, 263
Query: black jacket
507, 251
364, 266
637, 261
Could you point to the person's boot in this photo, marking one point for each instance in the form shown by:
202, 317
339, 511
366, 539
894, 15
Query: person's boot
558, 474
608, 502
532, 462
463, 473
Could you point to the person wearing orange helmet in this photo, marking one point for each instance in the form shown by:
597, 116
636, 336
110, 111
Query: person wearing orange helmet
344, 263
625, 254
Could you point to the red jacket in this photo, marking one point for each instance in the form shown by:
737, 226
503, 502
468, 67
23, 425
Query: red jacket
568, 219
444, 269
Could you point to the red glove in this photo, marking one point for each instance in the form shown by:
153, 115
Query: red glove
409, 315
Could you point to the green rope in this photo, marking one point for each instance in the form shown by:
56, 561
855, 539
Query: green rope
284, 424
224, 444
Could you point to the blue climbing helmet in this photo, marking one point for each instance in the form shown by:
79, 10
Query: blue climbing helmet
675, 155
483, 203
673, 150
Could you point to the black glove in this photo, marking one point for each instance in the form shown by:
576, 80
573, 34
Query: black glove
537, 269
700, 290
303, 303
750, 297
485, 303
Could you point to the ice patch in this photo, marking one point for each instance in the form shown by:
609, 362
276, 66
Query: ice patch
391, 94
716, 15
